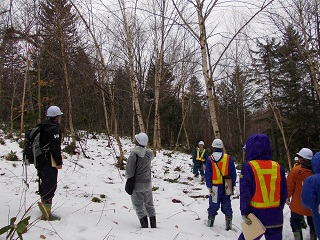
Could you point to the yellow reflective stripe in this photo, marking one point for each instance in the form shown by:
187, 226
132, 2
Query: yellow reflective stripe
268, 200
219, 179
224, 164
200, 157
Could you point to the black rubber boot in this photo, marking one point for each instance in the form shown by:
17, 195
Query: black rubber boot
211, 221
228, 223
313, 235
153, 222
144, 222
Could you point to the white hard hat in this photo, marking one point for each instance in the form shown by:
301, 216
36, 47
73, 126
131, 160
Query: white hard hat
296, 158
142, 139
217, 143
201, 142
54, 111
305, 153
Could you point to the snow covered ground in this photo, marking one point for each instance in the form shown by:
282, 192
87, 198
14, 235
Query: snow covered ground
179, 199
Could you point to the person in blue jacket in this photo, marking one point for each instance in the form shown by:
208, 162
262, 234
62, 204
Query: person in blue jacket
218, 165
311, 192
263, 187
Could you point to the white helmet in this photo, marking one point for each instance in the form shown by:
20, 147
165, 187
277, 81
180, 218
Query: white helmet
201, 142
217, 143
305, 153
142, 139
54, 111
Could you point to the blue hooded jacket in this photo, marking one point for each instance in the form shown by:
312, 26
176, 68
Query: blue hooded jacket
311, 192
258, 147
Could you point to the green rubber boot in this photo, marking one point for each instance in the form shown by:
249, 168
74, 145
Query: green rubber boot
297, 235
210, 221
45, 209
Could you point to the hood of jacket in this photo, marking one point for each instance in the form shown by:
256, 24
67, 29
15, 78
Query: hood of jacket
140, 151
258, 147
316, 163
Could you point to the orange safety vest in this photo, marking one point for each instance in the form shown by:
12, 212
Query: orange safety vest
200, 157
267, 180
223, 165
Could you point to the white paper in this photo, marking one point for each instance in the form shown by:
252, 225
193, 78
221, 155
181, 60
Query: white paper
227, 189
214, 194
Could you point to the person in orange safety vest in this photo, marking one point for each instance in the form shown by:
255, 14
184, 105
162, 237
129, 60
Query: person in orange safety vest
220, 166
263, 187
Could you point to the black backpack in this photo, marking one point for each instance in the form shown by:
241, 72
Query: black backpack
32, 152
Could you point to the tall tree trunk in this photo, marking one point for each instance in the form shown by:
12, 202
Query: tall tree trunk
39, 89
67, 82
206, 72
24, 94
104, 106
69, 99
183, 124
156, 129
128, 40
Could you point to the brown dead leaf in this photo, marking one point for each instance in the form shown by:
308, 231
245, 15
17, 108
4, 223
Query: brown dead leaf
42, 236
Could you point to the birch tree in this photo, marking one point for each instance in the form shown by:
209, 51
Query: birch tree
128, 27
161, 29
203, 11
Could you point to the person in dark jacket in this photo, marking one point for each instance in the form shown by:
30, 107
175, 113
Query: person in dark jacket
295, 181
139, 165
311, 193
50, 141
218, 166
198, 158
263, 187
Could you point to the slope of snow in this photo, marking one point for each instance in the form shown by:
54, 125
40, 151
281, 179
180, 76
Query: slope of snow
180, 200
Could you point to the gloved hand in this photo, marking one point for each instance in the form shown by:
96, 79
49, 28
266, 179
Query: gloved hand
246, 219
288, 201
210, 190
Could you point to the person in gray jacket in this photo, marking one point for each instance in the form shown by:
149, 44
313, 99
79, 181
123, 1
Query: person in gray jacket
139, 165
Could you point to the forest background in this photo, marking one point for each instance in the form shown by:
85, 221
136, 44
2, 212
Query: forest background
181, 71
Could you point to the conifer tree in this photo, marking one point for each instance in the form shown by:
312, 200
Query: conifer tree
65, 67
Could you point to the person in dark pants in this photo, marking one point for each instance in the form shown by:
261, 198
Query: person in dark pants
198, 158
295, 181
218, 166
50, 142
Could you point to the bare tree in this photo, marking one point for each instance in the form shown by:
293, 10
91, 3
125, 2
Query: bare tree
104, 79
203, 11
129, 47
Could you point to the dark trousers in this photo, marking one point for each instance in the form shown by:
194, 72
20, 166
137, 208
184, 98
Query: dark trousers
48, 177
296, 220
223, 201
198, 167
